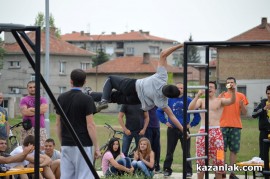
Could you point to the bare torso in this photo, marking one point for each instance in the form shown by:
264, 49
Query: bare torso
215, 111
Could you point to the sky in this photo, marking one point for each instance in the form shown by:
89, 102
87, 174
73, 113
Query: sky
205, 20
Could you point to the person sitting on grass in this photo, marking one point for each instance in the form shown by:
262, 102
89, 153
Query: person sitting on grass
6, 158
114, 162
55, 156
144, 158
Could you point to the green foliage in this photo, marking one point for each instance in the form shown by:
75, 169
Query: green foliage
40, 21
193, 54
2, 53
100, 58
170, 78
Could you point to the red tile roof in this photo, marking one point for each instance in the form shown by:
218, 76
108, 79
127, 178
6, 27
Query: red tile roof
57, 46
132, 64
127, 36
260, 32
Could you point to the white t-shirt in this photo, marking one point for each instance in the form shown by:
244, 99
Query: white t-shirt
16, 151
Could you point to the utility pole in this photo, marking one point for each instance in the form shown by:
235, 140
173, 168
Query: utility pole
47, 64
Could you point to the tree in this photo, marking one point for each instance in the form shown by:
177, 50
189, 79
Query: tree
193, 54
100, 58
2, 53
40, 21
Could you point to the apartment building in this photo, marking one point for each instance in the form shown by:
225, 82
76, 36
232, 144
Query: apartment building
133, 43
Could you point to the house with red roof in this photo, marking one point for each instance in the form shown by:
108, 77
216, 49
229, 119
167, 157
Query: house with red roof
16, 72
248, 64
133, 43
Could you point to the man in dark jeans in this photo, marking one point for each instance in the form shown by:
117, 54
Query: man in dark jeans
262, 112
173, 133
135, 126
153, 134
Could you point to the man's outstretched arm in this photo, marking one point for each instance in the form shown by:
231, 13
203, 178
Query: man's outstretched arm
165, 53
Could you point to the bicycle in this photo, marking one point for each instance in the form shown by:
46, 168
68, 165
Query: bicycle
13, 141
112, 134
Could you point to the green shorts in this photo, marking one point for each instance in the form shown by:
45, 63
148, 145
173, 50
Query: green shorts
231, 137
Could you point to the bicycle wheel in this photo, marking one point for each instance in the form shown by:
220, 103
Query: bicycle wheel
97, 162
12, 143
131, 150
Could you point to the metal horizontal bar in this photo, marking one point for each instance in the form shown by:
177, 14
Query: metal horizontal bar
197, 111
196, 158
198, 134
198, 64
197, 87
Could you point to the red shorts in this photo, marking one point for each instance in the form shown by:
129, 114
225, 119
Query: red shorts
216, 147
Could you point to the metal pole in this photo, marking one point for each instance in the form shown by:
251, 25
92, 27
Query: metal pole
185, 112
37, 103
47, 65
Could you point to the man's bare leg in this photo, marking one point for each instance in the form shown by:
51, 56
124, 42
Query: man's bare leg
233, 157
47, 172
218, 175
55, 166
200, 175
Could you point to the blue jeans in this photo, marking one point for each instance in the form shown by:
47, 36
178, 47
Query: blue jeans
127, 139
139, 165
114, 171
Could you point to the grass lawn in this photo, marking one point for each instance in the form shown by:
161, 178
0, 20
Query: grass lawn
249, 138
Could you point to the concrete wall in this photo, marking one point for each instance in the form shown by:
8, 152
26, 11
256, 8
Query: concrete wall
255, 91
250, 67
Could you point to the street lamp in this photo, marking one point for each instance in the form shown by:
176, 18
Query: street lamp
97, 57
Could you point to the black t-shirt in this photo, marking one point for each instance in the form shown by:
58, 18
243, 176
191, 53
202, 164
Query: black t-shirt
134, 117
76, 106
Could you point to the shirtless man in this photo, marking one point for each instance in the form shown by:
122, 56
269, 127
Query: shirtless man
216, 145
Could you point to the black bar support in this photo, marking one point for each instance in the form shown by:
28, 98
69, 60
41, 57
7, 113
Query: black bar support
39, 78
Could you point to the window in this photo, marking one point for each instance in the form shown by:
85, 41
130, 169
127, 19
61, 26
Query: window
119, 45
62, 89
14, 90
130, 51
154, 50
14, 64
4, 104
85, 66
242, 89
62, 68
33, 77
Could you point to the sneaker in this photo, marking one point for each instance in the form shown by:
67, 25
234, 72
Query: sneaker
102, 105
157, 171
189, 175
233, 176
88, 90
167, 173
259, 174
